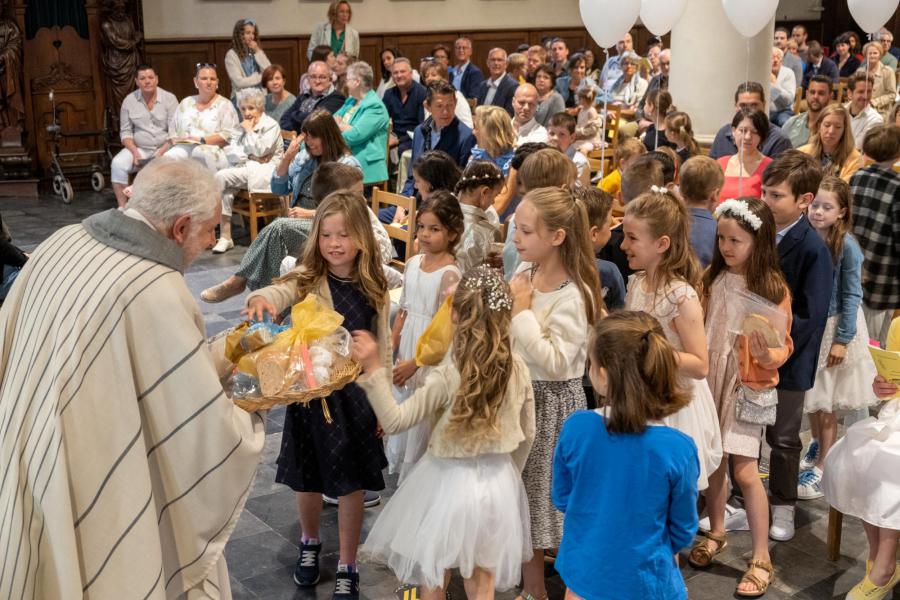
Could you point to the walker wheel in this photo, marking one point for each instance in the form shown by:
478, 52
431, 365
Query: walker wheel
67, 192
97, 181
57, 184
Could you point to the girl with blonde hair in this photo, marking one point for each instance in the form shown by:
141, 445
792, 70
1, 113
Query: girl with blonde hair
657, 244
341, 265
480, 409
556, 298
495, 137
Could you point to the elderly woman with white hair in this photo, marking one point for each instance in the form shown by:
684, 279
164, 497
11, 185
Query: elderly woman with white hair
203, 122
255, 148
363, 121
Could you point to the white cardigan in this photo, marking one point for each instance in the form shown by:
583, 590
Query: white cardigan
321, 36
235, 72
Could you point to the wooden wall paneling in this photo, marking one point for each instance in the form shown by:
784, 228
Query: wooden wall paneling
286, 53
418, 46
174, 63
370, 51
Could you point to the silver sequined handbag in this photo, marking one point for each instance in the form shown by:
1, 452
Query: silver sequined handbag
756, 407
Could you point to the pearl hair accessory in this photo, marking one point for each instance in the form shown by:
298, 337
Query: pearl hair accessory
741, 210
493, 287
659, 190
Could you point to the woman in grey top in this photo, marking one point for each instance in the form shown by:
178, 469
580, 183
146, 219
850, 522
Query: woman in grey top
550, 101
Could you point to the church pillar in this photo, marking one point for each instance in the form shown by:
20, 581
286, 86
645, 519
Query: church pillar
709, 60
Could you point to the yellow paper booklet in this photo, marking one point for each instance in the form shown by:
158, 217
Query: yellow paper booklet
887, 363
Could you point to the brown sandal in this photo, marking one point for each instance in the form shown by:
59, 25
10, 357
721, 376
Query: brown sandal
704, 554
761, 586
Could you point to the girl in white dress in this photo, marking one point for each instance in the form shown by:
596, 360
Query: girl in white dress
463, 505
657, 242
861, 480
428, 278
845, 367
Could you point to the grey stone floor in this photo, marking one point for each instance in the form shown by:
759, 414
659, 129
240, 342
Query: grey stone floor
263, 548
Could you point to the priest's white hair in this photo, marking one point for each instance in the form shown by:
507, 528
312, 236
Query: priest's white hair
166, 189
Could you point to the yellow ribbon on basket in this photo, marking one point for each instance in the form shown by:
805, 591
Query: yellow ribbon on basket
435, 340
310, 320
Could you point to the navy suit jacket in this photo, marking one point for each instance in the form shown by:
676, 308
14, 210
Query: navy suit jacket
503, 98
827, 68
456, 140
809, 271
471, 79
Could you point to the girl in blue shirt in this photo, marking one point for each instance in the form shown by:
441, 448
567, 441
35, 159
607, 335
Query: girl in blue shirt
626, 483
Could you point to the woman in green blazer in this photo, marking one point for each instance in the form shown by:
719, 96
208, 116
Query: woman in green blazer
364, 123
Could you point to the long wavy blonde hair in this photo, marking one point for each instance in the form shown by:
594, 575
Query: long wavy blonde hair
481, 351
367, 272
559, 208
495, 130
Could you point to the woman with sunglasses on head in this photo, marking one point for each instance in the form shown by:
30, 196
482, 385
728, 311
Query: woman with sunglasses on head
245, 61
204, 122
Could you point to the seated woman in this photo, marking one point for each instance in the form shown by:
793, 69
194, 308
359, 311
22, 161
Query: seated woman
278, 100
255, 149
884, 91
435, 70
308, 172
847, 64
549, 100
743, 171
203, 123
363, 121
245, 60
569, 85
832, 143
628, 89
496, 140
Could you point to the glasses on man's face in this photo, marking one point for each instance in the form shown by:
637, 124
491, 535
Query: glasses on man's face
318, 77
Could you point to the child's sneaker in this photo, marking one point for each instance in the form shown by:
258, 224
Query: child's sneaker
811, 457
306, 572
809, 486
346, 584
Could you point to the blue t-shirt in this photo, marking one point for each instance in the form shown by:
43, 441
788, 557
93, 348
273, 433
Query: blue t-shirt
703, 234
611, 284
630, 504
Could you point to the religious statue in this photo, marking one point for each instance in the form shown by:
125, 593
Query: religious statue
12, 108
121, 51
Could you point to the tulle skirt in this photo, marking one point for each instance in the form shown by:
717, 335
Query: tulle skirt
454, 513
847, 386
861, 470
700, 421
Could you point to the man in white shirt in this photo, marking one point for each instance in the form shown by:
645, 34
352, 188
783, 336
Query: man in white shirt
862, 116
524, 124
789, 59
498, 89
612, 70
782, 89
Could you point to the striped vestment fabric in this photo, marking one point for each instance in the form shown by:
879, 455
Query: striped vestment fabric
123, 465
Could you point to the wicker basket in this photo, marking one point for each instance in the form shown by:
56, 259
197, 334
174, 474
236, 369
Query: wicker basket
344, 371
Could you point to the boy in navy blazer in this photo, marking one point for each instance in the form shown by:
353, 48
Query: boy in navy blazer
789, 185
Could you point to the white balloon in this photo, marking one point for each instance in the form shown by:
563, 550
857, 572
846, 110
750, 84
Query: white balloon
871, 15
750, 16
660, 16
608, 20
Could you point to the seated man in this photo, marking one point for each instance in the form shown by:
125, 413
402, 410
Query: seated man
749, 95
782, 90
321, 94
525, 105
862, 116
440, 131
465, 76
499, 88
146, 128
819, 64
818, 95
404, 102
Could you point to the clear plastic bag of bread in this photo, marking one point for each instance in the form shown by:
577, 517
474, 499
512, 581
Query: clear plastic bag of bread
748, 312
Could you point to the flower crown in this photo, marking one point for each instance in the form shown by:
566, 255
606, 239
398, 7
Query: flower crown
741, 210
493, 288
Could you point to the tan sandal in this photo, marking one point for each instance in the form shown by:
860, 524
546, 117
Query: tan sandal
702, 551
761, 586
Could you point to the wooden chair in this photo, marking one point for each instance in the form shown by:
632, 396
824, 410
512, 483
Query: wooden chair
287, 134
798, 100
833, 539
838, 94
256, 205
607, 154
472, 102
407, 236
